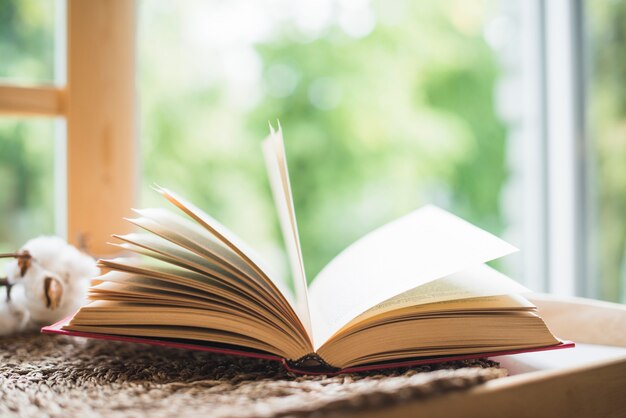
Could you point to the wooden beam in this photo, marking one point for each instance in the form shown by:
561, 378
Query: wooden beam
583, 320
31, 100
101, 120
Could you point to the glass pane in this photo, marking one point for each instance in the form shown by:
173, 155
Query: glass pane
385, 105
27, 40
607, 123
26, 181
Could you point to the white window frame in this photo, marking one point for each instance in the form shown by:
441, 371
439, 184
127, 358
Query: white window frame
555, 170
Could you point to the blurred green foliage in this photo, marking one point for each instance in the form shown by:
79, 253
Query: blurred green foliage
26, 181
375, 126
26, 146
27, 40
607, 129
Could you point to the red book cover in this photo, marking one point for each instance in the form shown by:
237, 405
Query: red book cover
57, 329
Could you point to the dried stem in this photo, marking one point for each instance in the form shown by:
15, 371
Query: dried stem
23, 254
24, 260
12, 255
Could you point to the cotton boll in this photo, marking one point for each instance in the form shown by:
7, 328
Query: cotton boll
51, 296
14, 316
12, 319
56, 280
52, 254
16, 270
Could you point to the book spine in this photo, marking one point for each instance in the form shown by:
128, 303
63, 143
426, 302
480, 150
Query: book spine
311, 363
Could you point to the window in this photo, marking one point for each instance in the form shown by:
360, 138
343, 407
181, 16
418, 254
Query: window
27, 37
69, 168
26, 180
509, 113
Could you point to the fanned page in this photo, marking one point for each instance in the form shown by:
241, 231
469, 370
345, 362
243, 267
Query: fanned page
222, 233
418, 248
276, 165
197, 281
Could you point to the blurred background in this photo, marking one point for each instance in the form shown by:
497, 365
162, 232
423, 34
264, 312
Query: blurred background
385, 106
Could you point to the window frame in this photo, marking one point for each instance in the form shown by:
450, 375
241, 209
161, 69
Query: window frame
97, 159
568, 154
96, 153
553, 220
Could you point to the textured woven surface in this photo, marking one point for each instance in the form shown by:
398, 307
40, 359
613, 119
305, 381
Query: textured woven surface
63, 376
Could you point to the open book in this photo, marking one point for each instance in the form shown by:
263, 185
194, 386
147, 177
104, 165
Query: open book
415, 290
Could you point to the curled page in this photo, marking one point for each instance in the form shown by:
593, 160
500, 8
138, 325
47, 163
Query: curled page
219, 231
276, 164
418, 248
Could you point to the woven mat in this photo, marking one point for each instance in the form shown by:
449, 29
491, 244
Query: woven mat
64, 376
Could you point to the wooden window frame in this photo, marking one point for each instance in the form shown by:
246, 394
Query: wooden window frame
98, 105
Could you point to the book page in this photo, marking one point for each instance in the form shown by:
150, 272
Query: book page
475, 282
172, 254
223, 234
174, 235
418, 248
217, 258
276, 165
